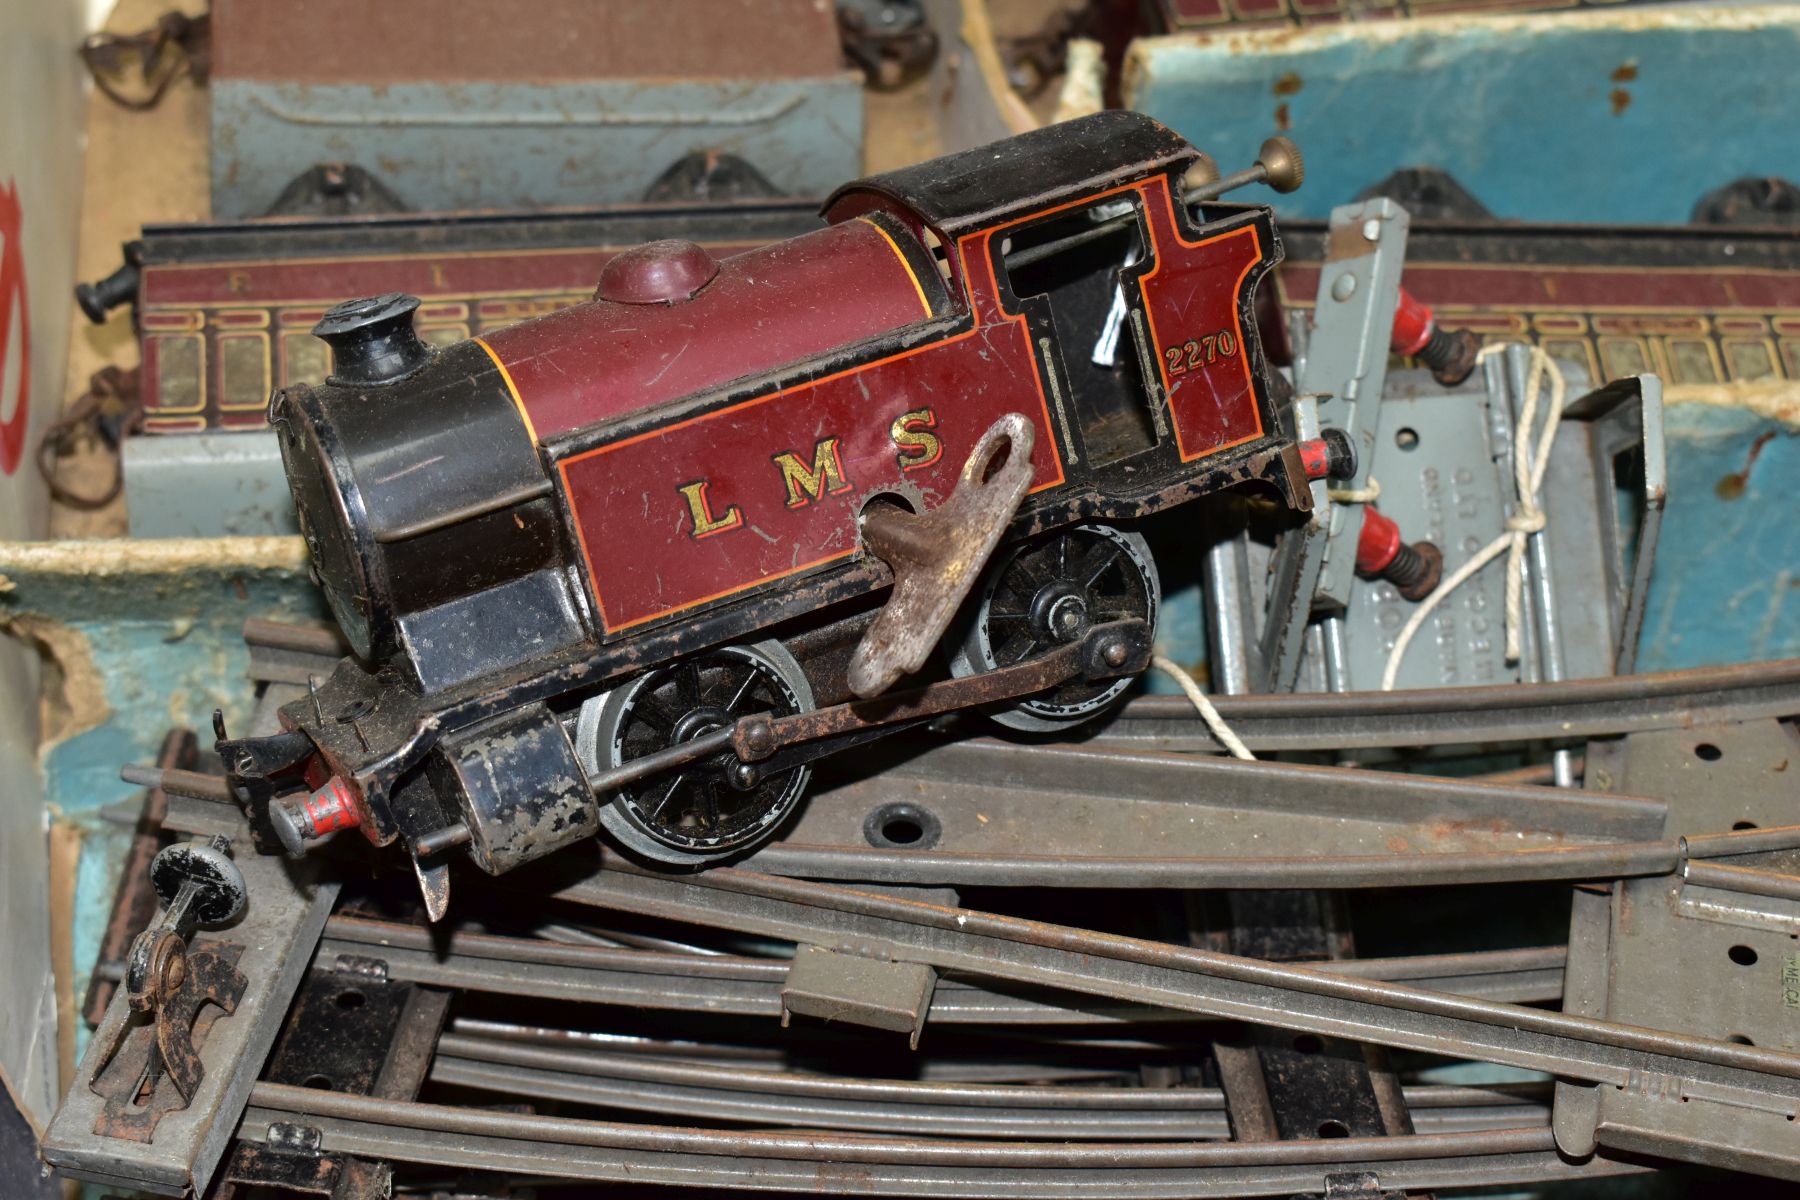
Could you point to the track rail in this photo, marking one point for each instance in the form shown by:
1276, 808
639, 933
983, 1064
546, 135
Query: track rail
1751, 1089
752, 986
1615, 860
566, 1148
1564, 711
764, 1098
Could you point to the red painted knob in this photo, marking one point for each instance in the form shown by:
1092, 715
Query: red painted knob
665, 272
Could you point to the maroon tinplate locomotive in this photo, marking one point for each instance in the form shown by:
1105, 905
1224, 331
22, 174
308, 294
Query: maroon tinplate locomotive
638, 563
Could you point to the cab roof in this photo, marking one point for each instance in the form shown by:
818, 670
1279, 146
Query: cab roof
975, 188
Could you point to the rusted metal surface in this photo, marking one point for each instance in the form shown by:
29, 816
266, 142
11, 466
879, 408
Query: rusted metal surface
1310, 1086
351, 1032
1286, 996
1109, 650
577, 1149
1034, 1112
1018, 981
134, 904
273, 1165
161, 1055
152, 1066
275, 932
1448, 716
936, 556
746, 986
1729, 918
787, 740
859, 988
1065, 816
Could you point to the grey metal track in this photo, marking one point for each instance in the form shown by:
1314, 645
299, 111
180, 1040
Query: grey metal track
752, 987
1568, 710
1756, 1086
1619, 860
765, 1098
1011, 814
554, 1147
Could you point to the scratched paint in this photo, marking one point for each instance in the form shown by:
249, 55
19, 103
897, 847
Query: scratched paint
1622, 116
1727, 583
138, 637
475, 145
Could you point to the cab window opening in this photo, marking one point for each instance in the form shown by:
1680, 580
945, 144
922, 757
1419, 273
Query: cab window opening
1074, 262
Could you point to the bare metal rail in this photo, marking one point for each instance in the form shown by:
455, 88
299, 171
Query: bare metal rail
1755, 1087
555, 1147
752, 987
1565, 711
767, 1098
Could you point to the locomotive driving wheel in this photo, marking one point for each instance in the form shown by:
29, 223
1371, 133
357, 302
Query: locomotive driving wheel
1051, 591
695, 813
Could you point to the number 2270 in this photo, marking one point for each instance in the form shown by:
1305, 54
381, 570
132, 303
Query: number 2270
1198, 352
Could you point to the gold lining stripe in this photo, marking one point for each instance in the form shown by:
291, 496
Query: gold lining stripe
900, 254
512, 389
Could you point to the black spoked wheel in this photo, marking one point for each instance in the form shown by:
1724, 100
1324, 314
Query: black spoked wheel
1049, 592
709, 808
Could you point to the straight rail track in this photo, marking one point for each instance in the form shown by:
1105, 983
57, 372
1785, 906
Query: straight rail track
1565, 711
752, 986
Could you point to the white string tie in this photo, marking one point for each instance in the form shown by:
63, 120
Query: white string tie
1529, 464
1209, 714
1363, 495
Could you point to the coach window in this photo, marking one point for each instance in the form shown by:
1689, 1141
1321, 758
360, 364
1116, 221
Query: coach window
243, 371
1694, 360
305, 359
179, 373
1750, 360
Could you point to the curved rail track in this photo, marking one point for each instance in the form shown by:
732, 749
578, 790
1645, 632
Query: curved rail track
569, 1148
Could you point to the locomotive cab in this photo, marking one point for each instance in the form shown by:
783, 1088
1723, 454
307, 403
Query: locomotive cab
1139, 319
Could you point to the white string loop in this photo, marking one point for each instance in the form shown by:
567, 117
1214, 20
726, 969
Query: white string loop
1529, 464
1204, 707
1367, 494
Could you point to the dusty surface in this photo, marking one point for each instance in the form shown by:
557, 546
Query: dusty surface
898, 126
1506, 26
170, 579
157, 556
1777, 401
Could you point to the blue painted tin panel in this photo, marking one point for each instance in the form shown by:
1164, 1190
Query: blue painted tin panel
145, 636
443, 147
181, 485
1621, 116
1727, 582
